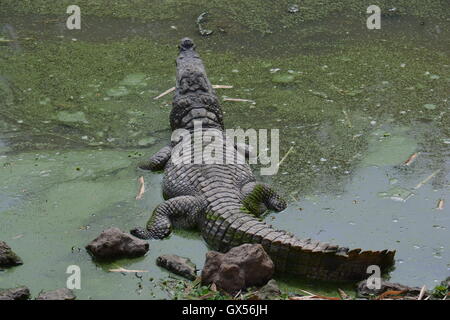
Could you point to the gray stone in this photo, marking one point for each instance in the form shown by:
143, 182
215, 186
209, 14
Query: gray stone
178, 265
7, 257
19, 293
114, 244
59, 294
268, 292
244, 266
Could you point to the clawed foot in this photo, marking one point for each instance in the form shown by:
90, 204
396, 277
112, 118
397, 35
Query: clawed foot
277, 204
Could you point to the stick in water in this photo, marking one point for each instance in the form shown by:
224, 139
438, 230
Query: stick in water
120, 269
285, 156
215, 86
427, 179
165, 93
141, 188
238, 100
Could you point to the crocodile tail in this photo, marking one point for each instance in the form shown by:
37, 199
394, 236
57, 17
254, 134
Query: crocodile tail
308, 258
319, 260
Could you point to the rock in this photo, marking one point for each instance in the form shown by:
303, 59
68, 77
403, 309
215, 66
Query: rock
283, 78
178, 265
78, 116
19, 293
134, 80
268, 292
7, 257
293, 8
363, 291
145, 142
59, 294
113, 244
119, 91
243, 266
429, 106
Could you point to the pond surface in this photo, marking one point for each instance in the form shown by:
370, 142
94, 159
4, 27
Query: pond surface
366, 112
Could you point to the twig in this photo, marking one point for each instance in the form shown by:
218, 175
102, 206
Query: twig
347, 118
285, 156
411, 159
215, 86
390, 293
422, 292
314, 297
307, 292
206, 296
120, 269
222, 86
311, 297
343, 295
15, 40
427, 179
141, 188
238, 100
440, 205
164, 93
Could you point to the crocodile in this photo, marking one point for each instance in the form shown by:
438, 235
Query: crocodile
225, 201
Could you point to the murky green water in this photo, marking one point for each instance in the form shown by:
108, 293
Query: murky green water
77, 114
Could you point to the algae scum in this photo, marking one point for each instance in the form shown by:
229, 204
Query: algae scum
366, 112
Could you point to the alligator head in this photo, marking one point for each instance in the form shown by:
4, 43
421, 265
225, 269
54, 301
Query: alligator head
195, 99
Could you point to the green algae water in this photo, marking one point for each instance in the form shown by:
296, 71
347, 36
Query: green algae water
78, 114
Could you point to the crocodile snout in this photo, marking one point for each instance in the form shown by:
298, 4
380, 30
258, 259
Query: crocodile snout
186, 44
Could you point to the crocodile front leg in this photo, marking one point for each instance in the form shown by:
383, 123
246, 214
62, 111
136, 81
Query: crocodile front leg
182, 211
158, 160
260, 196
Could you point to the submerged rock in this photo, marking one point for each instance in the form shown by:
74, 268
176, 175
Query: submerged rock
7, 257
283, 78
74, 117
178, 265
429, 106
145, 142
134, 80
114, 243
268, 292
363, 291
19, 293
119, 91
59, 294
243, 266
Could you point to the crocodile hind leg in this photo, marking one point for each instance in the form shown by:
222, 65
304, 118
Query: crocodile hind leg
182, 211
158, 160
261, 196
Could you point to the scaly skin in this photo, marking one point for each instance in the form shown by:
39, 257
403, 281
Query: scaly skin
211, 197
